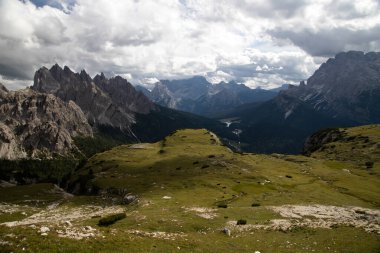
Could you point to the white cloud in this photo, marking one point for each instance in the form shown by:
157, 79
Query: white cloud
262, 42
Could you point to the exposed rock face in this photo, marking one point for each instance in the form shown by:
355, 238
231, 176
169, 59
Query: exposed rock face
344, 91
37, 125
110, 103
345, 87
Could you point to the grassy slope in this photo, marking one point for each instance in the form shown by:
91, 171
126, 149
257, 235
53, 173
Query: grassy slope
194, 170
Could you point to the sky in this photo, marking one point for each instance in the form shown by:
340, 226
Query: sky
262, 43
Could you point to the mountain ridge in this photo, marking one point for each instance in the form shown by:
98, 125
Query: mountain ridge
344, 91
197, 95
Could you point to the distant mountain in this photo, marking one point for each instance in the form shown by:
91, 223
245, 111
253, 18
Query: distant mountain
344, 91
37, 125
142, 89
197, 95
281, 88
114, 107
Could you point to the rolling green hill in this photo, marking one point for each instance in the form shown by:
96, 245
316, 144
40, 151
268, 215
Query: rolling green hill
188, 192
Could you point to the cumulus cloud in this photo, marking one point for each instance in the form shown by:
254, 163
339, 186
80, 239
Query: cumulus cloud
260, 42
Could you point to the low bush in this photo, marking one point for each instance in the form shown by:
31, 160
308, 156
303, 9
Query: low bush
111, 219
241, 222
255, 204
222, 205
369, 164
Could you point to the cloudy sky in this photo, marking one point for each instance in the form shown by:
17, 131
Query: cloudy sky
259, 42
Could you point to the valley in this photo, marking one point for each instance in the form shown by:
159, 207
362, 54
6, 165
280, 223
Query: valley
187, 192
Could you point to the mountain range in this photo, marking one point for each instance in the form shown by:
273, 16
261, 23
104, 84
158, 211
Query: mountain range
197, 95
344, 91
43, 120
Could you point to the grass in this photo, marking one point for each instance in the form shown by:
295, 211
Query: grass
210, 176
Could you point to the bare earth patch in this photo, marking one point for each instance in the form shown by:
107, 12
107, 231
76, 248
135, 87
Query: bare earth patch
140, 146
157, 234
60, 219
206, 213
318, 216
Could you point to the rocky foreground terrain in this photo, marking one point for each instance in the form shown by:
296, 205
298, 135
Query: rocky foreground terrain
189, 193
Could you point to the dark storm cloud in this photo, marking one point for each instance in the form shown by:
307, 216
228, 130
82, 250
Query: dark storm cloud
348, 10
329, 41
271, 8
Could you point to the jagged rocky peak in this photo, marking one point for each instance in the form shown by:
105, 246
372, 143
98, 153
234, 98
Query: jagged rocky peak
85, 77
348, 73
124, 94
100, 78
44, 81
3, 89
105, 102
37, 125
346, 87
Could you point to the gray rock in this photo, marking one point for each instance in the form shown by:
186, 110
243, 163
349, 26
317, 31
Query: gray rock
105, 102
227, 231
44, 229
36, 125
129, 198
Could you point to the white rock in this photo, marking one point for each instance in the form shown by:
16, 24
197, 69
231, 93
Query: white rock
44, 234
68, 223
88, 228
44, 229
227, 231
166, 197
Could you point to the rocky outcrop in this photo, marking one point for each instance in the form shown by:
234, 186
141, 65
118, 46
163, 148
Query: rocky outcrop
105, 102
34, 125
320, 138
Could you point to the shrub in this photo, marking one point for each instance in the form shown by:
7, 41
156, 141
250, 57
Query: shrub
161, 151
288, 176
222, 205
255, 204
111, 219
205, 166
241, 222
369, 164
